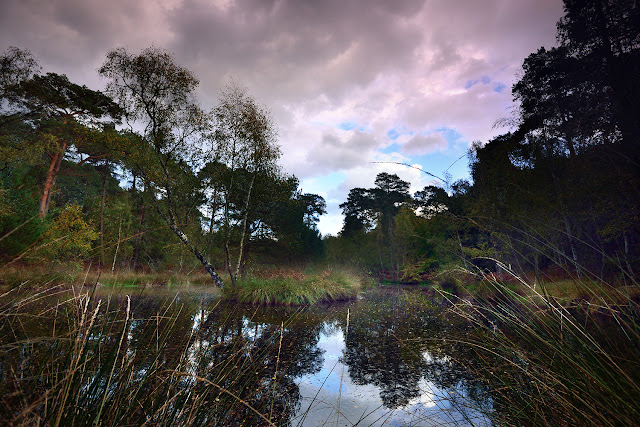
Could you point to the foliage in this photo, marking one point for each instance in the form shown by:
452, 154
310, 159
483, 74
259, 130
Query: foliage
69, 236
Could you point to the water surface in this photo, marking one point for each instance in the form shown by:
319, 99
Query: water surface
389, 358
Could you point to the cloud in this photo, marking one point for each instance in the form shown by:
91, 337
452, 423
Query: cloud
341, 150
338, 76
419, 145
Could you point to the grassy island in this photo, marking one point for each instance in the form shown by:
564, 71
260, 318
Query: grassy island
289, 287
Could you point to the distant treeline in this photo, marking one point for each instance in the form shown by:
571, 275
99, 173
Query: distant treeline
559, 192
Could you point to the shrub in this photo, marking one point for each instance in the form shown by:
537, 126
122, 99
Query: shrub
69, 237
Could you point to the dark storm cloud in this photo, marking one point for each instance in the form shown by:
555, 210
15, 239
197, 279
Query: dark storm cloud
73, 36
291, 51
300, 47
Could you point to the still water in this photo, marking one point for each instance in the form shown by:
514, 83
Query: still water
332, 397
389, 358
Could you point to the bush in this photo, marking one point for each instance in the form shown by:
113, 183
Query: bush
69, 236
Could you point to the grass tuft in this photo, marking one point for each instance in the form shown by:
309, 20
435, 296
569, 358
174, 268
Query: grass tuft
288, 287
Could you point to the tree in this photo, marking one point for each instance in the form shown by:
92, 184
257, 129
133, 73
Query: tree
580, 101
158, 94
314, 206
69, 236
586, 91
380, 204
604, 36
16, 66
293, 222
48, 114
390, 192
357, 212
431, 200
561, 106
246, 141
389, 195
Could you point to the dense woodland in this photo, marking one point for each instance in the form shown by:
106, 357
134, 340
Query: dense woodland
558, 193
141, 177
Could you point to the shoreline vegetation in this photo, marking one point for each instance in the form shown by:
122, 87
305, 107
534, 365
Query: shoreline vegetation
564, 350
267, 287
305, 286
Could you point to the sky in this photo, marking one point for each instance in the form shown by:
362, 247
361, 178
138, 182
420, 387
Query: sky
355, 86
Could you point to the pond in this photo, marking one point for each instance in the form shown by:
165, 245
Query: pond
389, 358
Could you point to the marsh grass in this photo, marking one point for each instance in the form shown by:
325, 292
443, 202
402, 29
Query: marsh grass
566, 354
161, 278
37, 276
74, 359
55, 274
292, 287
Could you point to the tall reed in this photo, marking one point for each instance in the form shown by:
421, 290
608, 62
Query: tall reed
73, 359
553, 361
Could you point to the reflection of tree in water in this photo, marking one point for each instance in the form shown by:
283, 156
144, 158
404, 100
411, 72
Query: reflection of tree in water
169, 360
243, 352
376, 359
395, 341
375, 355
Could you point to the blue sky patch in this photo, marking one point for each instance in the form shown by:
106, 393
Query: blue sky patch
484, 80
352, 125
323, 184
499, 87
451, 135
397, 131
347, 125
393, 148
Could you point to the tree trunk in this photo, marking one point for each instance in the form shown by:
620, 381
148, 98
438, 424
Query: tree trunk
207, 266
137, 243
214, 207
171, 222
244, 227
52, 173
226, 243
115, 255
104, 192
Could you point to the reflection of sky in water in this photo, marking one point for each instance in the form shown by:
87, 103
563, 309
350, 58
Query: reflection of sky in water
331, 398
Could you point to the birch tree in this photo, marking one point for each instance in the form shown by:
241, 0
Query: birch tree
159, 96
246, 140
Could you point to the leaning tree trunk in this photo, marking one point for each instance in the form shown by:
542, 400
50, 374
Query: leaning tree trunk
244, 228
170, 220
187, 242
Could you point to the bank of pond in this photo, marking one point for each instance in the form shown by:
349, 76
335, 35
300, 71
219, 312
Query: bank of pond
388, 355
